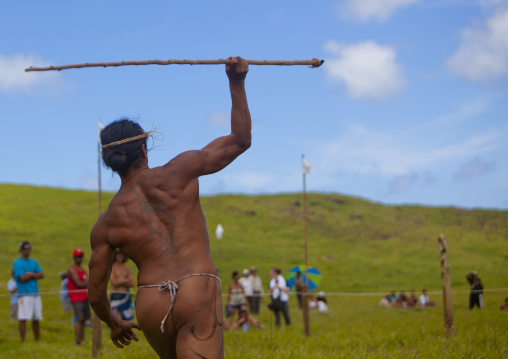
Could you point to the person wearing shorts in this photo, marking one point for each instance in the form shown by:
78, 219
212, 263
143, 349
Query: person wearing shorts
121, 280
77, 283
26, 274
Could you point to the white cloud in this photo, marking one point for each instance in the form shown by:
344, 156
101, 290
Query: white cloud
474, 168
14, 78
402, 183
365, 10
483, 52
369, 70
490, 3
464, 113
251, 181
219, 119
399, 153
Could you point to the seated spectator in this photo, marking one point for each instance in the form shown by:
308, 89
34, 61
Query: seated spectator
244, 319
401, 301
321, 302
385, 301
424, 300
393, 296
313, 304
412, 300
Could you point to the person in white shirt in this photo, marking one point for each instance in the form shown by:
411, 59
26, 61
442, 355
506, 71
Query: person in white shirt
246, 283
257, 290
424, 300
279, 291
321, 302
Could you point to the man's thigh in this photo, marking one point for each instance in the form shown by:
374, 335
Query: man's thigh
201, 339
194, 326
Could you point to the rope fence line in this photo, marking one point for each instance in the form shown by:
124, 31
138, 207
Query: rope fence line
290, 293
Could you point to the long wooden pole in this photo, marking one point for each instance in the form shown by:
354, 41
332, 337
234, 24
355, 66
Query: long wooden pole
447, 289
99, 170
310, 63
305, 297
96, 322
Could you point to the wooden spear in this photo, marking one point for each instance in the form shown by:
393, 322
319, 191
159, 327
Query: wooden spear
313, 63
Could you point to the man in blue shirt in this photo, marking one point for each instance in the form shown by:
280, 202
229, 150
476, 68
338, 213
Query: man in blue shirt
26, 273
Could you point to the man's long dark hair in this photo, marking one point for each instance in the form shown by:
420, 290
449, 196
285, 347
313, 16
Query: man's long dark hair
120, 157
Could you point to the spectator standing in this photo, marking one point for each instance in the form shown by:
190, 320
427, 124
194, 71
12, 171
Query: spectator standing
27, 272
299, 288
121, 280
76, 285
475, 296
13, 289
246, 283
64, 297
64, 294
279, 289
505, 304
257, 290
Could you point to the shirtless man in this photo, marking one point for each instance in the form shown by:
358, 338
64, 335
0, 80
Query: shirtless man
121, 280
157, 221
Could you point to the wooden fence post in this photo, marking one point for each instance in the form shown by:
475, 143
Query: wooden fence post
305, 310
96, 336
447, 289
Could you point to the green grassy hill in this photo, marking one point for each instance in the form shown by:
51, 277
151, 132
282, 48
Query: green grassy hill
359, 246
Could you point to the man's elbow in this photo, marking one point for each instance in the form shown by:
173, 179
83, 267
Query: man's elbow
94, 299
246, 147
246, 143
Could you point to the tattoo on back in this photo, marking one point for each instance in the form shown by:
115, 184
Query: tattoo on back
158, 216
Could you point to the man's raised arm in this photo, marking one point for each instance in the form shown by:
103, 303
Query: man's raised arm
222, 151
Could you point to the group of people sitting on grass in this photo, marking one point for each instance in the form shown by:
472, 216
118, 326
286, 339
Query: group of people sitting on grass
402, 301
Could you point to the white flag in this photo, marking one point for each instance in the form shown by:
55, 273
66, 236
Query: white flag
100, 126
219, 231
305, 165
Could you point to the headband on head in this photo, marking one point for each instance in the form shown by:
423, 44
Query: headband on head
130, 139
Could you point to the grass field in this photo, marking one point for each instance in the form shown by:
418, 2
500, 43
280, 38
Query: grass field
359, 246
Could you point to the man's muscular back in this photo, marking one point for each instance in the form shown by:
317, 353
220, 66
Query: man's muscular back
157, 221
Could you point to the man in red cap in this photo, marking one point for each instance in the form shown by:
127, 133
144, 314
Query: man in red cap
77, 284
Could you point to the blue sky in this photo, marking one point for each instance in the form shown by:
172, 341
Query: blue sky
410, 107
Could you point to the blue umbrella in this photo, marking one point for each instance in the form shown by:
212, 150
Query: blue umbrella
314, 276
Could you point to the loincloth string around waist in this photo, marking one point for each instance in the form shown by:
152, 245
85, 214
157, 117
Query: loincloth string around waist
172, 287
